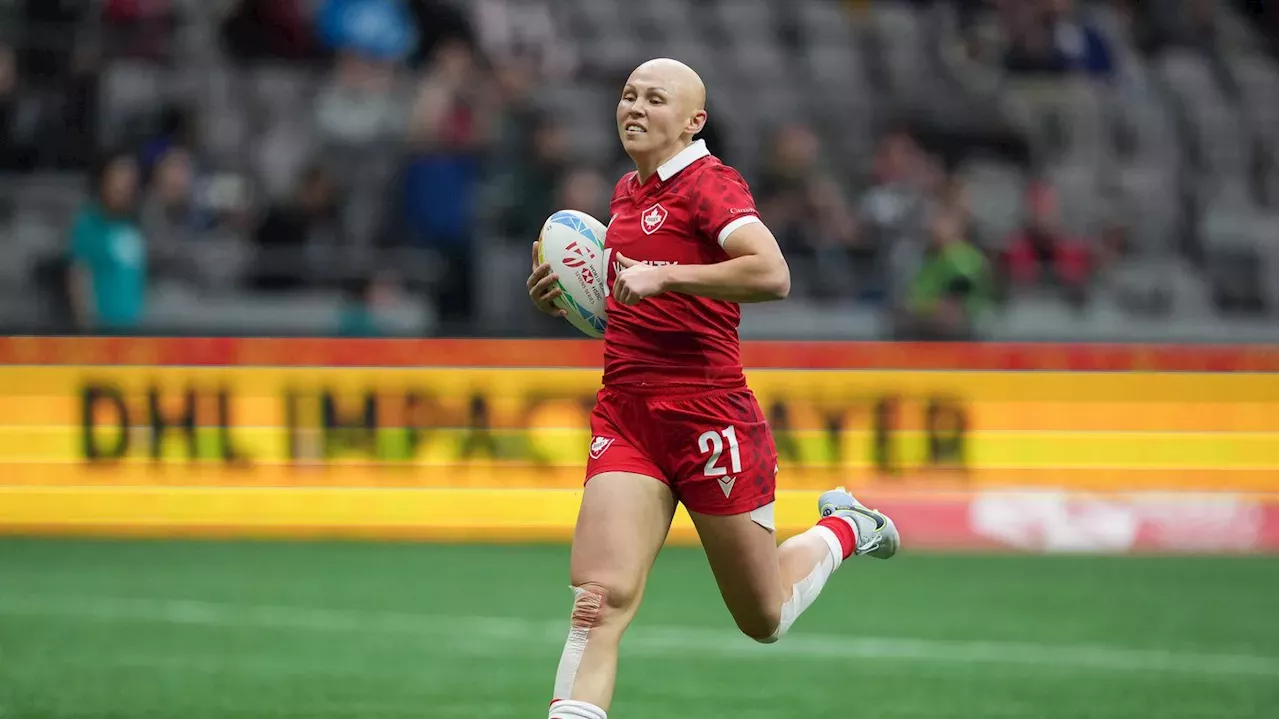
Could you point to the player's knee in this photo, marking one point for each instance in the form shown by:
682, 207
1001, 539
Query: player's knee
599, 603
761, 626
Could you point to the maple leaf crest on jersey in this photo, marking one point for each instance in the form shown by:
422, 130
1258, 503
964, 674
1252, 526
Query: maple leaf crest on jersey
653, 218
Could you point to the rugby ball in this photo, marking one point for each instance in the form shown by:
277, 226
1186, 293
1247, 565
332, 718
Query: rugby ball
572, 243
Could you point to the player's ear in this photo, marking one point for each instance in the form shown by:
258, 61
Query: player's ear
696, 122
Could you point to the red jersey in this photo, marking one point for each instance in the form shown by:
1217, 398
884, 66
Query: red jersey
681, 215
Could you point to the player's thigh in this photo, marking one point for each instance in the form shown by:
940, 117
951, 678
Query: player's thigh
743, 555
622, 524
725, 473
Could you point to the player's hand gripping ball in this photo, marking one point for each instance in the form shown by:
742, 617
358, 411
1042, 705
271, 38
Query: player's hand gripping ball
637, 281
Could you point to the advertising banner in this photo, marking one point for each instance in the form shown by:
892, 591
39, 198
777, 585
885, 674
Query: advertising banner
1036, 448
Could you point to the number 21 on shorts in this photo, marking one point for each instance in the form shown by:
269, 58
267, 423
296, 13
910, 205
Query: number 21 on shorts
710, 441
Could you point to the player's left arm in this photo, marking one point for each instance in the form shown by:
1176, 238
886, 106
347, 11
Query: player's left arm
756, 271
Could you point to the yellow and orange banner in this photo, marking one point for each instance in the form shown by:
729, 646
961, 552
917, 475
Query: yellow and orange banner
484, 423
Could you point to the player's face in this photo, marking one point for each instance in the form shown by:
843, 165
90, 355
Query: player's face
650, 115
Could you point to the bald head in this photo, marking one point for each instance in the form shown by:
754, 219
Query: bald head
678, 78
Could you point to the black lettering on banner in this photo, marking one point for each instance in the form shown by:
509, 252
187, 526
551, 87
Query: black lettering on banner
946, 427
226, 443
885, 426
479, 433
341, 433
415, 406
783, 436
185, 420
92, 397
835, 428
291, 425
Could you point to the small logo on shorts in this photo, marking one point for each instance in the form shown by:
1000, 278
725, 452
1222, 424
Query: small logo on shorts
599, 445
726, 484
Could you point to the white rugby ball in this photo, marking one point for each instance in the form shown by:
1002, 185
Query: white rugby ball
572, 243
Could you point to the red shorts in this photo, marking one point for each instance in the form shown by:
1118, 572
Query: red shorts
714, 449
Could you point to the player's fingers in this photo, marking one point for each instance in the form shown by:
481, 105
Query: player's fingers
536, 243
544, 285
623, 293
546, 299
624, 260
540, 272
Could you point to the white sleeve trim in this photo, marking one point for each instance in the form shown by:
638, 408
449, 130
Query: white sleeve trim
734, 226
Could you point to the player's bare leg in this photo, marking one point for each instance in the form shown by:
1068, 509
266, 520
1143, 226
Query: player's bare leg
766, 586
622, 524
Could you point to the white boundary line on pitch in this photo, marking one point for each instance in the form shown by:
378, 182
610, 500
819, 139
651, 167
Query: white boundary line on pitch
641, 640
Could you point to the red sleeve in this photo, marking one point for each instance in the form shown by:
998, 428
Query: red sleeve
723, 203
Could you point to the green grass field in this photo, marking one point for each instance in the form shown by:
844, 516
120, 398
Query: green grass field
204, 630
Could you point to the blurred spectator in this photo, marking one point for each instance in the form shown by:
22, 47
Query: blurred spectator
288, 230
108, 277
359, 104
900, 183
49, 40
807, 210
1189, 24
175, 127
1051, 37
363, 298
534, 177
1078, 42
449, 126
437, 22
169, 215
1042, 253
1262, 15
139, 28
953, 285
256, 30
10, 153
524, 32
374, 29
180, 222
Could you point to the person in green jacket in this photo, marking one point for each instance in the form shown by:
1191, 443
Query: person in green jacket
952, 288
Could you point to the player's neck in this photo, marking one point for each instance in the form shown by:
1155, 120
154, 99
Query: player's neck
648, 163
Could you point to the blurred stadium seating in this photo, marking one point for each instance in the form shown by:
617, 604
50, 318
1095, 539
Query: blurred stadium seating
1144, 138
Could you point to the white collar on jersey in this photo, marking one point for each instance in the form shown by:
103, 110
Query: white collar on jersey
683, 159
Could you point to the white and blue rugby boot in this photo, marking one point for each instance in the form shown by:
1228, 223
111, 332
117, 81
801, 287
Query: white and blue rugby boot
877, 535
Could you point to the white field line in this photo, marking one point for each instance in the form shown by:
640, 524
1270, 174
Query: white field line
507, 633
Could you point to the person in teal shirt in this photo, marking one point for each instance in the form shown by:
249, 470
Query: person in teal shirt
109, 253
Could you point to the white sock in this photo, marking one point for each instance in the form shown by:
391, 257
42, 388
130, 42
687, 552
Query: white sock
568, 709
806, 590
